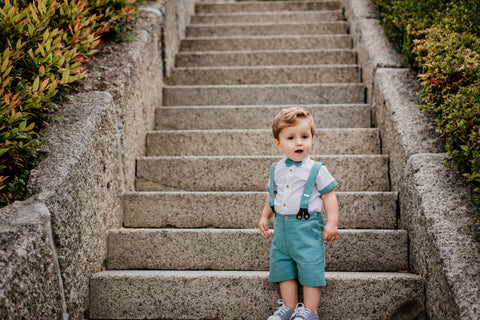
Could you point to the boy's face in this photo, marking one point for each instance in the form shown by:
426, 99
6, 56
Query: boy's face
296, 141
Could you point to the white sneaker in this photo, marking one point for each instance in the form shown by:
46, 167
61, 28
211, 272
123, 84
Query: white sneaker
282, 313
302, 313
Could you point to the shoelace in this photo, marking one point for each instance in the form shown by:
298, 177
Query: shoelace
282, 309
301, 312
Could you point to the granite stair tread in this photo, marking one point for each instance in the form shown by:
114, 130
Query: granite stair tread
265, 75
246, 249
221, 173
257, 116
265, 57
173, 209
243, 142
245, 294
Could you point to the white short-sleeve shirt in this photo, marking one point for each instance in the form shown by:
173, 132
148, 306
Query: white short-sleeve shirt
290, 182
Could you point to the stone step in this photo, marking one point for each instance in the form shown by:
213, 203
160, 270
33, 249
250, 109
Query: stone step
256, 142
251, 173
287, 42
359, 210
265, 75
247, 250
266, 17
257, 116
280, 94
266, 6
265, 57
244, 294
266, 29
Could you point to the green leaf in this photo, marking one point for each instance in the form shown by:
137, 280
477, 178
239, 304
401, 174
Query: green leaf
2, 152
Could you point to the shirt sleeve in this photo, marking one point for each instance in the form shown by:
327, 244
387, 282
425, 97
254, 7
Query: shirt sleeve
325, 181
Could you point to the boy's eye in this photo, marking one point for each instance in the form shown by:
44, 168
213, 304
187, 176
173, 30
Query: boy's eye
290, 138
305, 137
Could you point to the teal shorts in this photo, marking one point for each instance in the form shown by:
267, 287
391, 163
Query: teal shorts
298, 250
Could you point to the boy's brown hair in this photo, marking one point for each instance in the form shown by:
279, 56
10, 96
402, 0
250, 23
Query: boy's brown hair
288, 117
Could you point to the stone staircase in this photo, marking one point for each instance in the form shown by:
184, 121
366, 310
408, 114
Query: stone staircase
189, 249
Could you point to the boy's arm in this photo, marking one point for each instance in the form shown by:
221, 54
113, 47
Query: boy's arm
330, 232
267, 213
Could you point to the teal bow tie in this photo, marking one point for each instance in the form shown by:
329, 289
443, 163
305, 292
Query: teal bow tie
289, 162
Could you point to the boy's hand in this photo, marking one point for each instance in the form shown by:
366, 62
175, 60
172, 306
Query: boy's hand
330, 232
263, 226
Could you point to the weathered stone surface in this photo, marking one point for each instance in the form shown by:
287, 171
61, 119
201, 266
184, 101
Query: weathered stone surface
246, 249
256, 142
359, 9
281, 17
362, 210
404, 129
265, 75
266, 6
265, 57
30, 285
257, 116
222, 294
354, 173
176, 16
305, 42
79, 181
374, 51
132, 73
436, 210
280, 94
257, 29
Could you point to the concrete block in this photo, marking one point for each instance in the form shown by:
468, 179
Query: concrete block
257, 116
280, 94
354, 173
265, 75
79, 180
228, 294
263, 17
266, 29
359, 9
266, 6
404, 129
30, 283
305, 42
265, 57
246, 249
362, 210
374, 51
436, 211
256, 142
132, 73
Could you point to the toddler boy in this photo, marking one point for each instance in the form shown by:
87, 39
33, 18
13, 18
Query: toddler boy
297, 189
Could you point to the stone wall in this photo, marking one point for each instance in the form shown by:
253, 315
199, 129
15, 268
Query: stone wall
52, 243
434, 205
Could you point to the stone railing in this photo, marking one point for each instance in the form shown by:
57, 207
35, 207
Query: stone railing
52, 243
434, 200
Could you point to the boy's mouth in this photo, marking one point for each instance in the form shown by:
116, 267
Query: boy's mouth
298, 151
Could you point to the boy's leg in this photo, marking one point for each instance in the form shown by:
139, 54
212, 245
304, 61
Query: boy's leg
311, 297
289, 292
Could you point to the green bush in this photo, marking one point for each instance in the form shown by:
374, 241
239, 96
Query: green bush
45, 46
441, 41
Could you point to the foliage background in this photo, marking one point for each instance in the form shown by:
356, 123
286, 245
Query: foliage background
45, 46
440, 40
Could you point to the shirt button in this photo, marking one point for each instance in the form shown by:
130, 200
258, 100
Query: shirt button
284, 204
287, 186
287, 217
291, 170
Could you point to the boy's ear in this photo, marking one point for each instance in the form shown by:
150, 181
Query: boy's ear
277, 142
